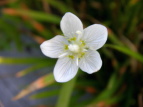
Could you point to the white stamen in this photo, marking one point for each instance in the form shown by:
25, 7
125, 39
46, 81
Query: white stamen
77, 61
78, 32
73, 48
63, 55
84, 50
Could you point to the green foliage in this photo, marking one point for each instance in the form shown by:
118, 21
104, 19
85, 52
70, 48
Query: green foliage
118, 83
40, 16
6, 60
127, 51
45, 94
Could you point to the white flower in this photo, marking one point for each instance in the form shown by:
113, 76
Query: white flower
76, 49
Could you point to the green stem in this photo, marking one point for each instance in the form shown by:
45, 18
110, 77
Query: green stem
65, 93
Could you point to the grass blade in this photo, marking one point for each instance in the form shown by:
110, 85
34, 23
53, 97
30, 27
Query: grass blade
41, 16
127, 51
9, 60
45, 94
38, 84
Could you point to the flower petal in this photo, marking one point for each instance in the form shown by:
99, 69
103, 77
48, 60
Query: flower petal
95, 36
65, 69
70, 24
90, 62
54, 47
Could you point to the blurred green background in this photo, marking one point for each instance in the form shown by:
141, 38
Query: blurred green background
119, 83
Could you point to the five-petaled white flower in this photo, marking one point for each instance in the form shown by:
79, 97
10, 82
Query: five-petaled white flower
76, 49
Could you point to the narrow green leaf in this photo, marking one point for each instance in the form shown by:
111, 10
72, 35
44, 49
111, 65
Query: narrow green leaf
114, 99
113, 85
60, 6
41, 82
114, 39
45, 94
41, 16
127, 51
34, 67
112, 81
9, 60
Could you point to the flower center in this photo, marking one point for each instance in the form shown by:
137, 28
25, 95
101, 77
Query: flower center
74, 48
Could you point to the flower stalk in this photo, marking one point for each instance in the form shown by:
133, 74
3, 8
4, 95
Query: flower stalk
66, 93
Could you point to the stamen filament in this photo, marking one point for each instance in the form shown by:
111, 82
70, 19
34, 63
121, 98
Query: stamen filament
63, 55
